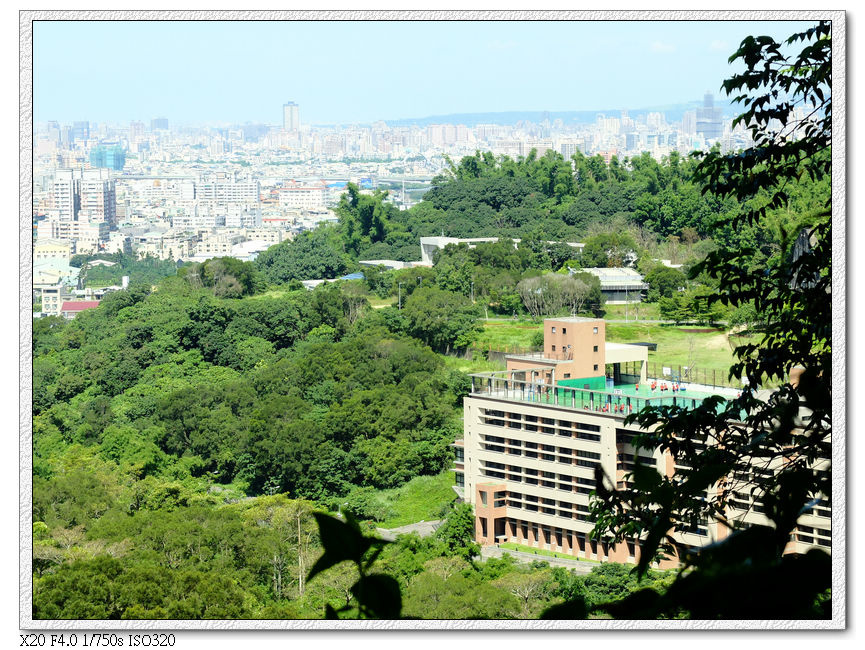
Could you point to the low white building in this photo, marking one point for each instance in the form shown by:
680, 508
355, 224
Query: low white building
620, 285
297, 196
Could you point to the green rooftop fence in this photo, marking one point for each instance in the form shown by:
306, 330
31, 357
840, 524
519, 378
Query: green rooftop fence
571, 394
586, 383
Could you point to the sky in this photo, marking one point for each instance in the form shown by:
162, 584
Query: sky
344, 72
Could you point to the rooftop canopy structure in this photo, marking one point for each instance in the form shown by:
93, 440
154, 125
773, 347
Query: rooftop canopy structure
619, 285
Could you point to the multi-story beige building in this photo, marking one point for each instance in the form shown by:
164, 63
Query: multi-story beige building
52, 249
535, 433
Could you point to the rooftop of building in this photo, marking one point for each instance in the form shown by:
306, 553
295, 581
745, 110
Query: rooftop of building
79, 305
44, 243
619, 276
614, 398
574, 319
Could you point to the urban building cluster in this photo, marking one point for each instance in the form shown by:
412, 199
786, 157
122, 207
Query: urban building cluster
190, 192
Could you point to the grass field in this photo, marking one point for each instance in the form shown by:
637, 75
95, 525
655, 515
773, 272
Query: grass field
501, 334
378, 303
422, 498
643, 311
711, 350
471, 365
270, 293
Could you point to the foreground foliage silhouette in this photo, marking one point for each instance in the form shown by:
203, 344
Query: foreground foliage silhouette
777, 442
747, 575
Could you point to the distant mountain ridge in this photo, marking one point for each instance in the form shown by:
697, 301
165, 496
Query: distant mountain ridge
673, 112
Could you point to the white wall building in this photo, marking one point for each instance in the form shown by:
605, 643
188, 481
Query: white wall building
295, 196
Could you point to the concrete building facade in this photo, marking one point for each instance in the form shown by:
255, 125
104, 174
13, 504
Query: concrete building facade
533, 440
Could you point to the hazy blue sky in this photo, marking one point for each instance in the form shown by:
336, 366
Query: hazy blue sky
212, 72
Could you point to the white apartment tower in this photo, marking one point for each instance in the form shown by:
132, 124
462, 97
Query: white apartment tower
98, 196
66, 194
290, 117
87, 194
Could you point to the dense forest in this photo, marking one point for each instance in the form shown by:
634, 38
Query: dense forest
182, 442
637, 204
185, 430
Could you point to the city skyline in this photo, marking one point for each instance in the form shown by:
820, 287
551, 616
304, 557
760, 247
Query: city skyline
223, 72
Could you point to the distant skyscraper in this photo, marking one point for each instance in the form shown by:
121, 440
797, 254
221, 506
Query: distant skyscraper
159, 124
290, 117
65, 135
136, 130
689, 123
80, 131
709, 121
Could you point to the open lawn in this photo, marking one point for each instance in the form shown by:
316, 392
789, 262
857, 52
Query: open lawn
684, 345
477, 364
422, 498
643, 311
276, 292
499, 335
378, 303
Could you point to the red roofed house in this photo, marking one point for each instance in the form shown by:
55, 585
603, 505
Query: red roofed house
72, 308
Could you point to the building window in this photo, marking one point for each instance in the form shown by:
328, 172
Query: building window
595, 349
554, 330
564, 330
567, 375
484, 498
594, 330
554, 348
596, 366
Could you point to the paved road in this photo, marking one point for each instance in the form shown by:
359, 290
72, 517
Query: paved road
527, 558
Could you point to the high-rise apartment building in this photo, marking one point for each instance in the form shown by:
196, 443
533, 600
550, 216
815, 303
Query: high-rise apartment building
535, 434
98, 196
709, 119
66, 194
689, 123
136, 131
65, 136
290, 117
159, 124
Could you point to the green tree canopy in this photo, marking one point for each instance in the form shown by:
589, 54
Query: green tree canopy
311, 255
441, 319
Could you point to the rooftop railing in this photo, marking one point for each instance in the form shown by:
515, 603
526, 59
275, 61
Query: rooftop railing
503, 385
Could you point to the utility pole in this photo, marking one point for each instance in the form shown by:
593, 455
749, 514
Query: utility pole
399, 289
